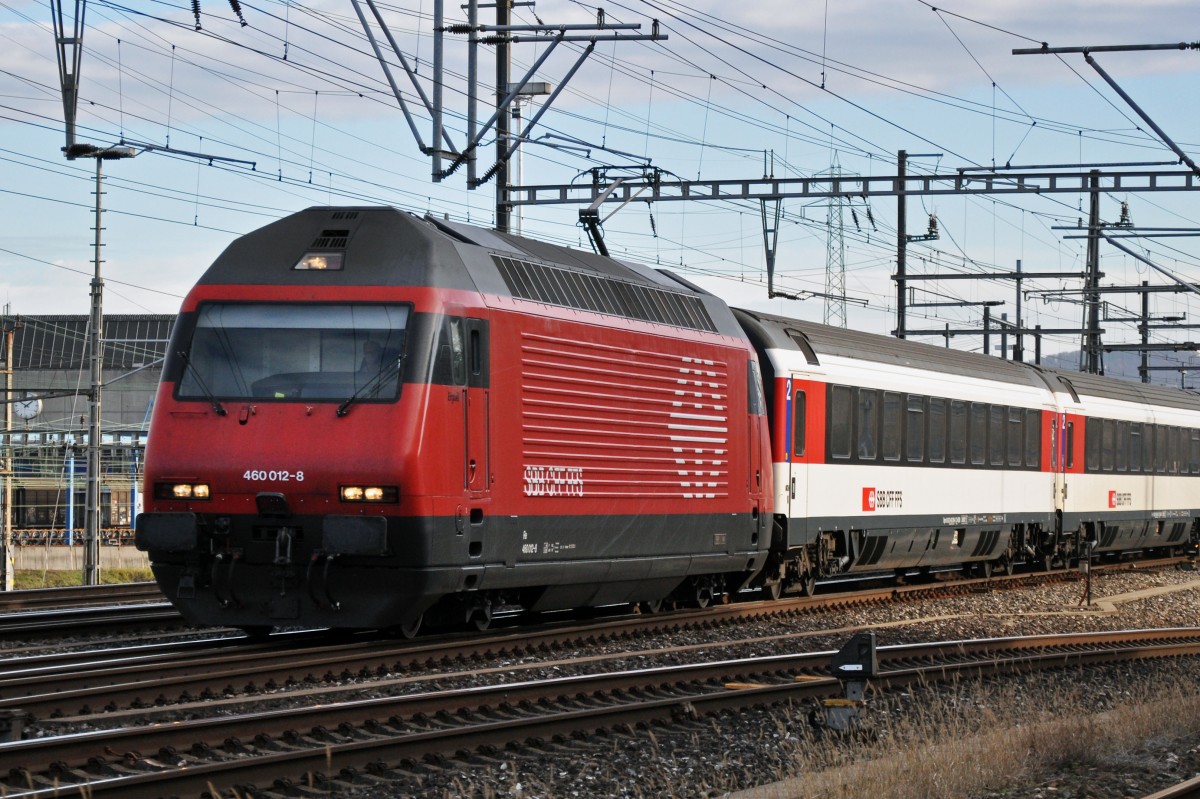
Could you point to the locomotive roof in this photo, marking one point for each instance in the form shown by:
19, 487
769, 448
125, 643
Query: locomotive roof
380, 245
769, 331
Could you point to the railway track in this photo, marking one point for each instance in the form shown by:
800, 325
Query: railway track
79, 596
230, 670
378, 739
234, 670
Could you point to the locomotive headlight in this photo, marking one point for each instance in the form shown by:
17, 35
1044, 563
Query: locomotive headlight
370, 493
182, 491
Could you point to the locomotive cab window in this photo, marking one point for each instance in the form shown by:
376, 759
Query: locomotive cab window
294, 351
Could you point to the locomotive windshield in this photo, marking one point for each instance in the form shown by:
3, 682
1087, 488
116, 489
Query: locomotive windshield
277, 351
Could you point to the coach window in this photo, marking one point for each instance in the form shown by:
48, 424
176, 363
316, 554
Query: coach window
1122, 446
958, 431
1135, 446
799, 414
1173, 450
996, 435
937, 430
1162, 454
892, 419
1108, 436
1033, 439
1194, 456
1091, 444
841, 411
1016, 436
978, 433
914, 430
867, 424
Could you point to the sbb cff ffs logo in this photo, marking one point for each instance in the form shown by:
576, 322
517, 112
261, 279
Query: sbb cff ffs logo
874, 499
1120, 499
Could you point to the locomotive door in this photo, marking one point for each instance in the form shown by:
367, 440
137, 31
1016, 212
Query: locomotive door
477, 475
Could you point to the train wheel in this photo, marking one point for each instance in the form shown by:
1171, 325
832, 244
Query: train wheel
651, 606
772, 591
1046, 562
410, 629
808, 584
1006, 565
703, 596
984, 569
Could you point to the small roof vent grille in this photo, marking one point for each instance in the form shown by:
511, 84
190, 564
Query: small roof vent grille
331, 240
344, 215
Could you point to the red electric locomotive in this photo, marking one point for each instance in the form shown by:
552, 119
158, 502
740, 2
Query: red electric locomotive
369, 419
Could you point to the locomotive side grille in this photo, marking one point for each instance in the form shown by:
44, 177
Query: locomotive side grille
589, 292
331, 240
600, 420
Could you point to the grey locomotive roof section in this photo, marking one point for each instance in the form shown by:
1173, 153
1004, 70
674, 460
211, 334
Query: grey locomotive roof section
478, 245
768, 331
382, 246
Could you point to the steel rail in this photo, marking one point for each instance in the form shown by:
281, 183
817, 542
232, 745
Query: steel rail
84, 684
504, 714
79, 596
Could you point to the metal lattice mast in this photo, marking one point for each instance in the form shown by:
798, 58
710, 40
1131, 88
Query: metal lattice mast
835, 258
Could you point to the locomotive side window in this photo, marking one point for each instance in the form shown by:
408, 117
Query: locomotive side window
914, 429
841, 411
892, 416
458, 356
937, 430
294, 351
978, 433
868, 418
996, 435
958, 431
757, 403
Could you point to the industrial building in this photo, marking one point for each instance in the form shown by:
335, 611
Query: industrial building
48, 386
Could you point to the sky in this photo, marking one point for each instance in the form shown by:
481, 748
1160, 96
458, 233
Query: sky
293, 110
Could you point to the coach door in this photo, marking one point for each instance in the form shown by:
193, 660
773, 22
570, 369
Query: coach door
477, 462
796, 444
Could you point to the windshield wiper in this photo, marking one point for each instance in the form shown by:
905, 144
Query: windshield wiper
216, 404
384, 373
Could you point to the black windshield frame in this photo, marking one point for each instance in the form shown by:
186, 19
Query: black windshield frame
295, 352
